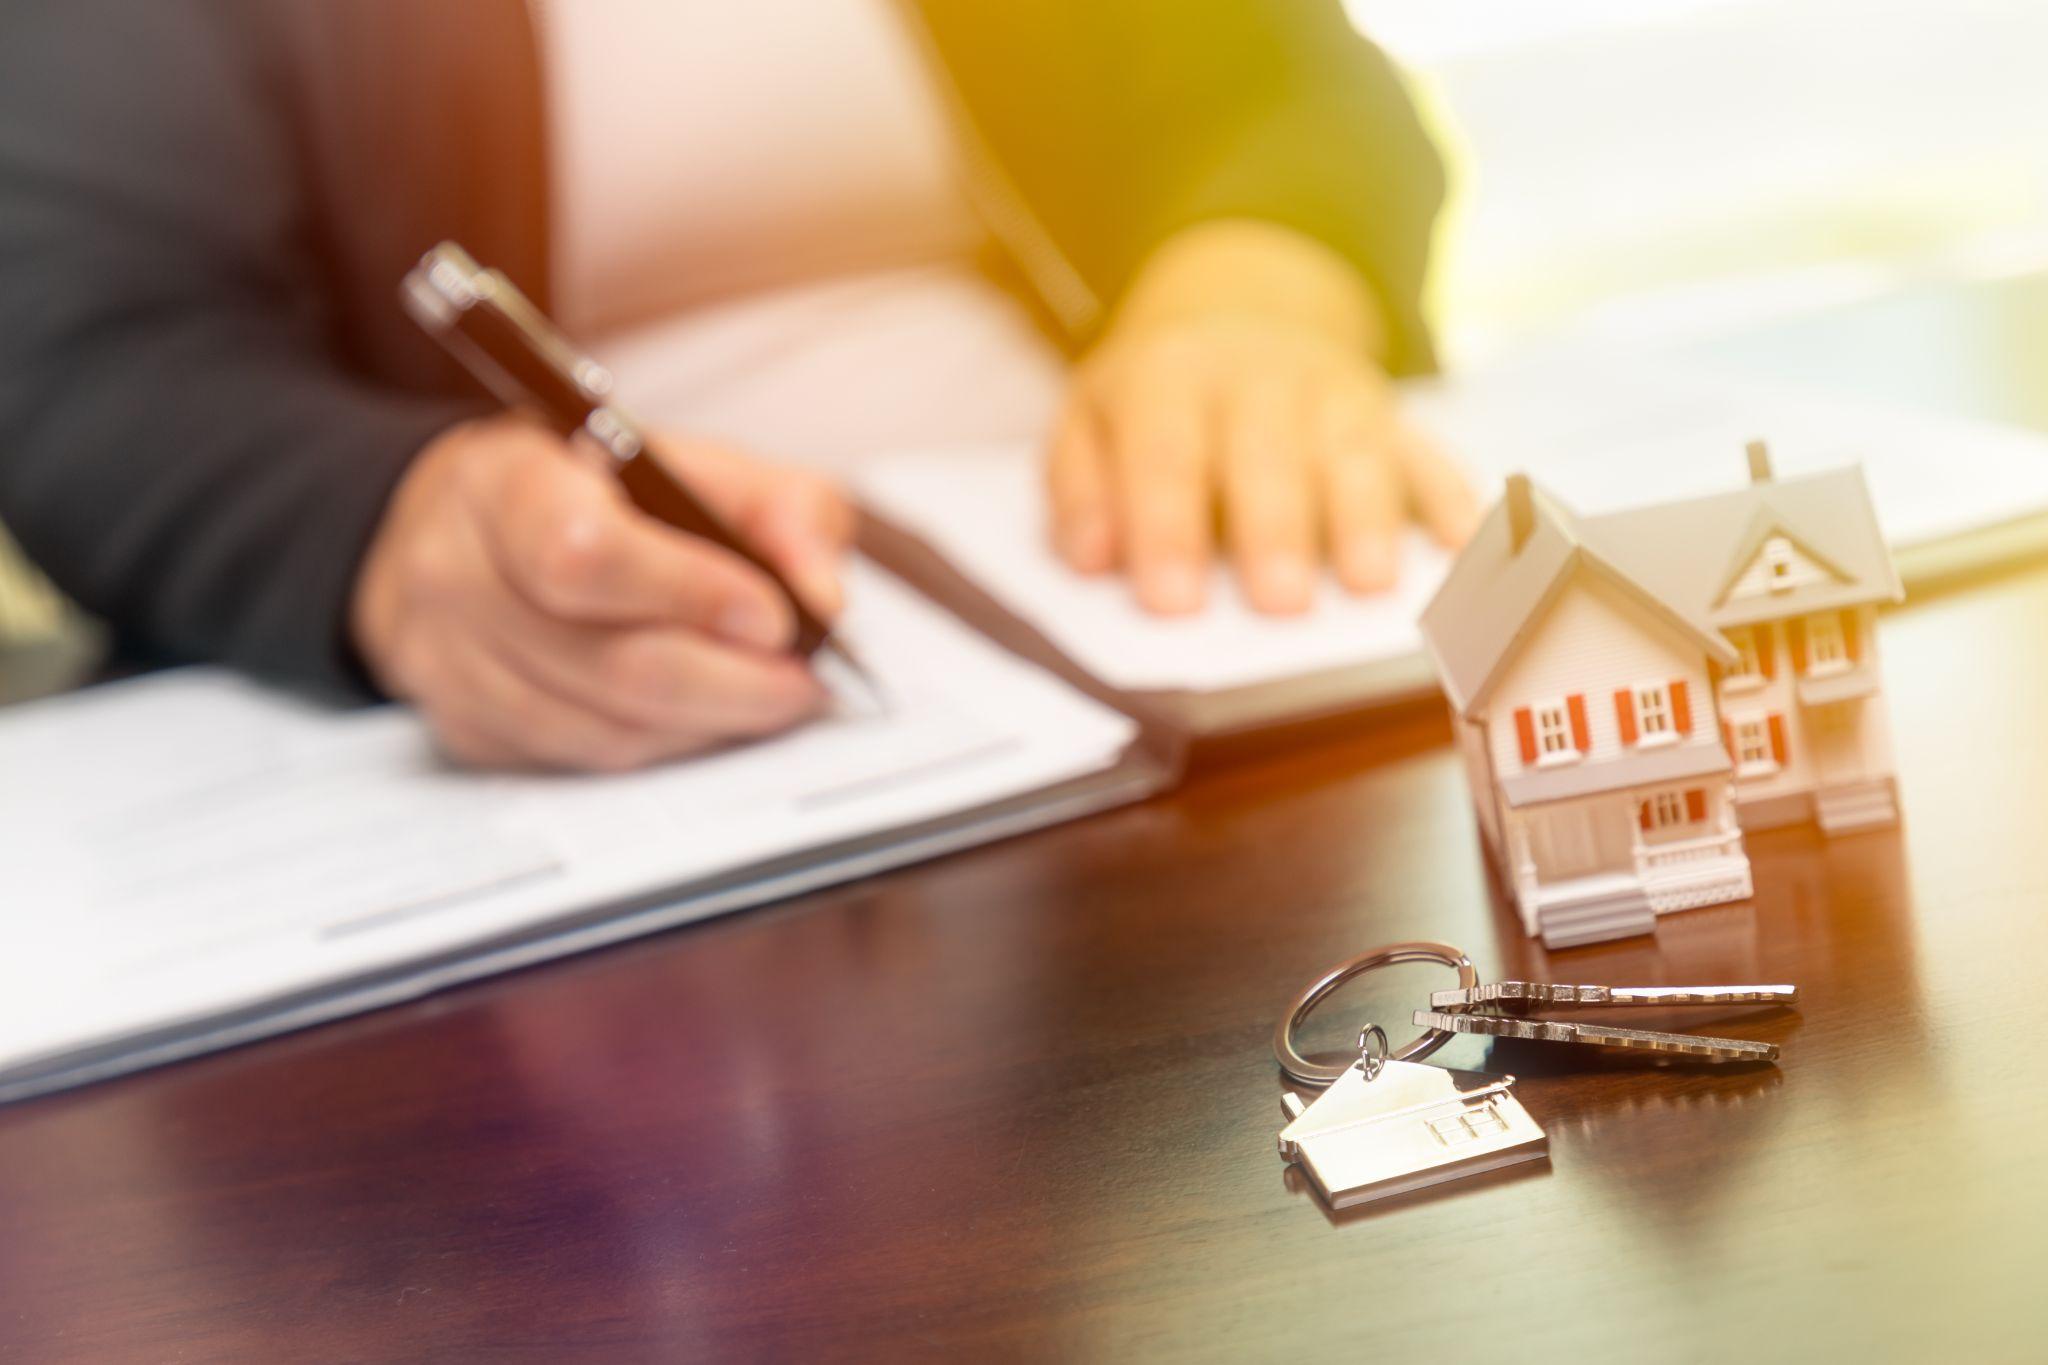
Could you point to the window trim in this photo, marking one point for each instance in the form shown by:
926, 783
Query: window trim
1678, 817
1667, 711
1778, 564
1753, 767
1749, 650
1826, 626
1560, 707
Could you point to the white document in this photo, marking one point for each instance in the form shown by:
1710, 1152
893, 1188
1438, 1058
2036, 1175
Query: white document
984, 511
1604, 432
1598, 432
185, 843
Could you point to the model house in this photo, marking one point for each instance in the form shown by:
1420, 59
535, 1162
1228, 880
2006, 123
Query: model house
1631, 690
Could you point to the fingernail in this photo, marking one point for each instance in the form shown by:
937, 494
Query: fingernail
818, 584
1283, 583
1172, 587
1371, 563
753, 622
1459, 526
1085, 545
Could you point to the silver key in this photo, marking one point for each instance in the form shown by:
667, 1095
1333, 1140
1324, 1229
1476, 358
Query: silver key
1693, 1045
1518, 996
1515, 999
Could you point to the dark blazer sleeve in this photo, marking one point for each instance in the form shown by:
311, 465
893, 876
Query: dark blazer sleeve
179, 449
1116, 123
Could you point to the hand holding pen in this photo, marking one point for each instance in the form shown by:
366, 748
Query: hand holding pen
537, 616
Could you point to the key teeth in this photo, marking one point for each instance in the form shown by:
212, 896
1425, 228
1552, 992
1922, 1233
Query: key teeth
1521, 997
1557, 1031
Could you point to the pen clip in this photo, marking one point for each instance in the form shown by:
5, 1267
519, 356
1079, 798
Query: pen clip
614, 433
508, 344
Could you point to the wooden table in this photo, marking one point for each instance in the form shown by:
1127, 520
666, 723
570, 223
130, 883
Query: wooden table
1020, 1103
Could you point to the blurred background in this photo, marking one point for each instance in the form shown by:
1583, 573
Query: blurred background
1667, 171
1667, 167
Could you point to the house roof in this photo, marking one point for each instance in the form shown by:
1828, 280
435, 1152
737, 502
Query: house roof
1494, 594
1679, 558
1691, 552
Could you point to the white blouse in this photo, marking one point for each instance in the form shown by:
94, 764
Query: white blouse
709, 148
757, 227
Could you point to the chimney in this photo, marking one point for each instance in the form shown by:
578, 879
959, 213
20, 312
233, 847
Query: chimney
1759, 463
1521, 512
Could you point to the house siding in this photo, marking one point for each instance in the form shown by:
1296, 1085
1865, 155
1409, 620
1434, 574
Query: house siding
1775, 695
1594, 640
1858, 749
1472, 746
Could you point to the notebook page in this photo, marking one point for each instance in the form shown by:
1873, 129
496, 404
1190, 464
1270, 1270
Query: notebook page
190, 841
984, 511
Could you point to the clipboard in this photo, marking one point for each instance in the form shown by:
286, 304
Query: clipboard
1152, 762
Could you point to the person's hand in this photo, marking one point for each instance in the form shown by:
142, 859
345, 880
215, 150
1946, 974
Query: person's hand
538, 619
1238, 378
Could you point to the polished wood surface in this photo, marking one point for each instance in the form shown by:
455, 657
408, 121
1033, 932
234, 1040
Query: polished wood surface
1020, 1104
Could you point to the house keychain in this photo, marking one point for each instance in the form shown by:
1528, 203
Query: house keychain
1388, 1124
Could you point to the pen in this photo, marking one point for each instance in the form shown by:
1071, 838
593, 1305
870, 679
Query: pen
516, 352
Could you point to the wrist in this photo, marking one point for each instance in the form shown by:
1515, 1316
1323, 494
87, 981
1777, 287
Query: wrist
1257, 271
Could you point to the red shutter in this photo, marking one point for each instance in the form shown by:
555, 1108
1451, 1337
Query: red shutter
1778, 739
1766, 648
1728, 739
1643, 813
1625, 715
1525, 730
1795, 635
1851, 644
1681, 706
1581, 737
1695, 804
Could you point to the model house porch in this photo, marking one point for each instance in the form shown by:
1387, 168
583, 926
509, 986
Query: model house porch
1594, 868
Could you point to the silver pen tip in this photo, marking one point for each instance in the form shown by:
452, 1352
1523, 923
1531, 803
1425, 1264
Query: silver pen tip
848, 679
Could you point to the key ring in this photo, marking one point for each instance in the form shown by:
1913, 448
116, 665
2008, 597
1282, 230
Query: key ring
1370, 1062
1306, 1072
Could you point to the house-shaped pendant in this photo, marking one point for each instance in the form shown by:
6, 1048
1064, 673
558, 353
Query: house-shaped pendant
1409, 1127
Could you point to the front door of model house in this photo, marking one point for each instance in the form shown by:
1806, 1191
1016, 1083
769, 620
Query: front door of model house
1566, 844
1835, 742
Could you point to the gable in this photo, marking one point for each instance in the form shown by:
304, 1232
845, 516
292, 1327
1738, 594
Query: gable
1595, 606
1594, 638
1777, 563
1495, 593
1593, 632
